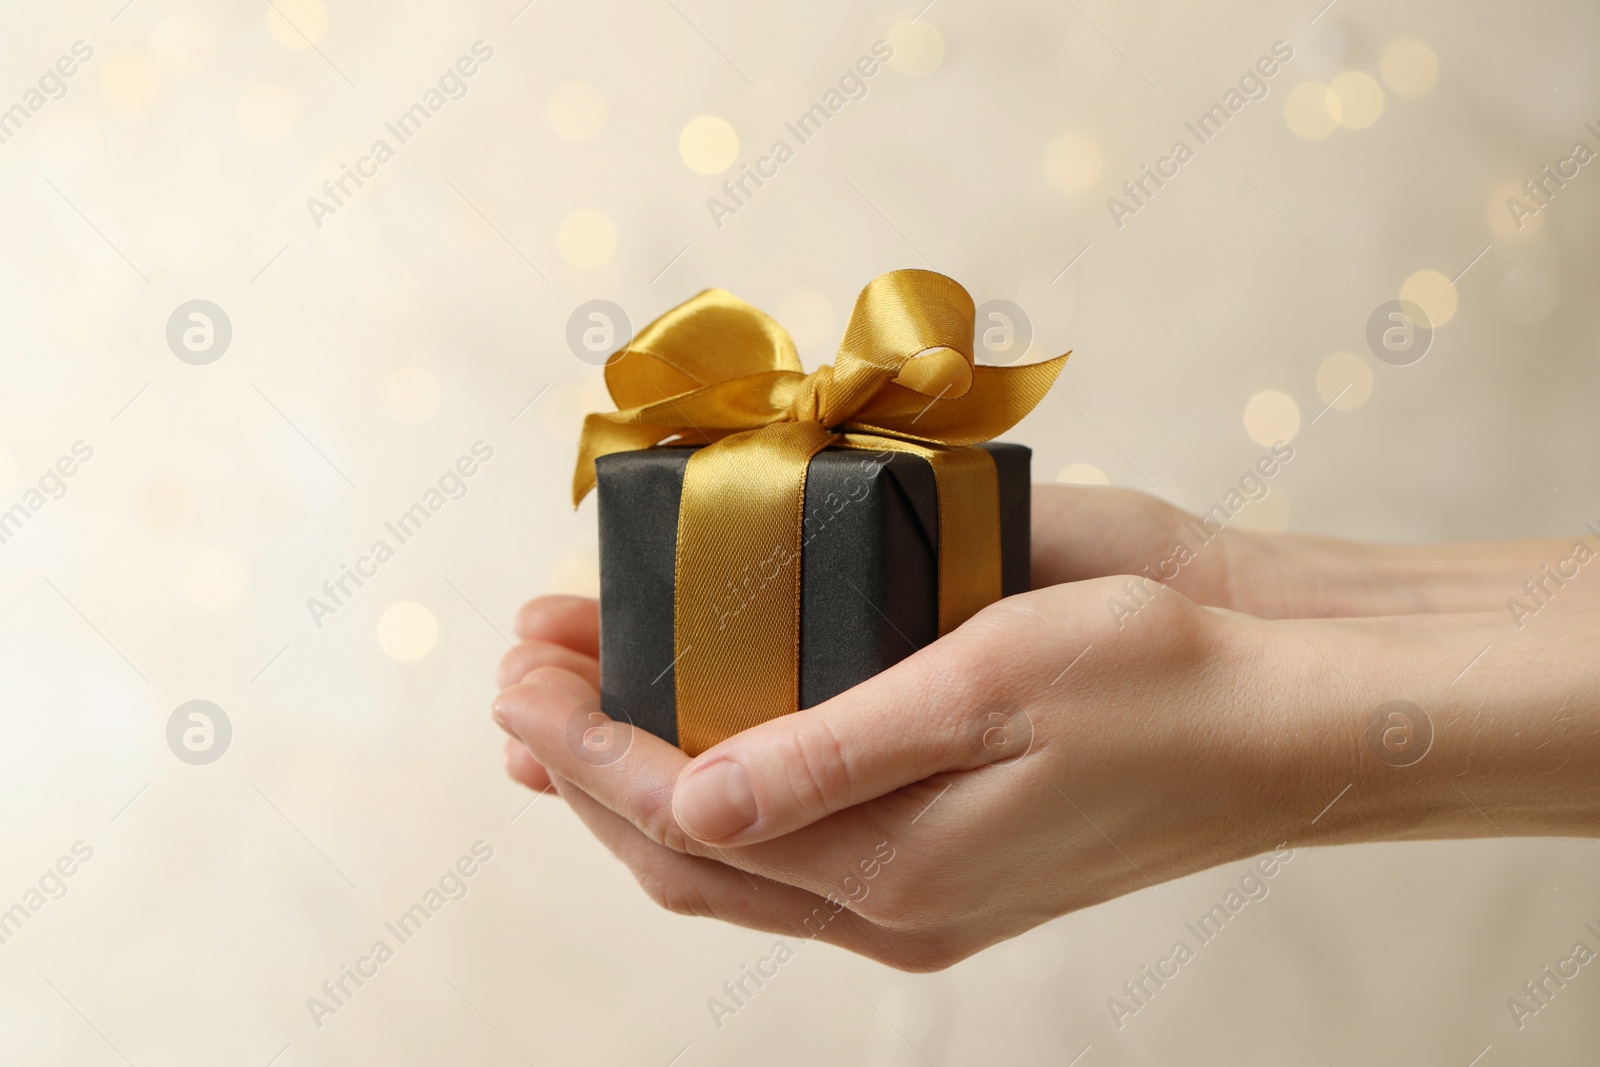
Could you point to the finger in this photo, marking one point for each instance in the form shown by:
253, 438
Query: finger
523, 768
573, 621
577, 690
556, 716
632, 772
692, 885
919, 718
534, 654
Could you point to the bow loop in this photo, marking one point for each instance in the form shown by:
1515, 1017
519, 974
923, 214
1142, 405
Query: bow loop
710, 338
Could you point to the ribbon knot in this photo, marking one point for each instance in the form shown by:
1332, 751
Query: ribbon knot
716, 371
808, 405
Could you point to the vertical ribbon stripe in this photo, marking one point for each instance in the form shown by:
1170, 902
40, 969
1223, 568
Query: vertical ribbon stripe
968, 487
736, 604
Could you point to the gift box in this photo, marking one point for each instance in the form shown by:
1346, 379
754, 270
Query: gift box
869, 570
771, 537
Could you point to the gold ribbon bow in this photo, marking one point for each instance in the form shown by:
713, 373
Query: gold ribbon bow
716, 371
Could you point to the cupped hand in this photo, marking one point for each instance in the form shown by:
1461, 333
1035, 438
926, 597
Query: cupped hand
1092, 531
1081, 532
556, 632
1041, 758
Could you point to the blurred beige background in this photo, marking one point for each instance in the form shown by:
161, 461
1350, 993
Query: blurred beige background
430, 311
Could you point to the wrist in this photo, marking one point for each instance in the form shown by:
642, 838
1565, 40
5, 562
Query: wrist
1300, 577
1307, 577
1449, 726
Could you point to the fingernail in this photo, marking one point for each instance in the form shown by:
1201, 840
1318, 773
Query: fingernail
501, 710
715, 802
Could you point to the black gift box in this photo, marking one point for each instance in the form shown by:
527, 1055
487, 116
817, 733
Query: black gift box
869, 573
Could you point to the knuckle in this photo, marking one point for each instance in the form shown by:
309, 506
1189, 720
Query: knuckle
660, 825
995, 636
1142, 613
674, 895
819, 777
975, 670
515, 664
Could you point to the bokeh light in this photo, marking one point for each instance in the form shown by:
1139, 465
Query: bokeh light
130, 81
1513, 215
1433, 292
297, 23
918, 48
708, 144
576, 575
407, 631
1082, 474
1073, 162
1309, 111
1270, 417
1409, 67
1355, 100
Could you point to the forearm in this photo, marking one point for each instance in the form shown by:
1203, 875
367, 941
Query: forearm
1499, 732
1318, 576
1089, 532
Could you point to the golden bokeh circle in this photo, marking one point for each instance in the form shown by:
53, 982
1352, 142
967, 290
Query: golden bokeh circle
1434, 293
1271, 417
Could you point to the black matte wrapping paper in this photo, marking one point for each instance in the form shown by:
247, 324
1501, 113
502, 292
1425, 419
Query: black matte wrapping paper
869, 573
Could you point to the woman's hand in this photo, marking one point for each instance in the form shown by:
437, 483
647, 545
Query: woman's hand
557, 632
1084, 532
1040, 759
1072, 744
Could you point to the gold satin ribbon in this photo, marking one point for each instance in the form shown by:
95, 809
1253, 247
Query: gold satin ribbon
718, 372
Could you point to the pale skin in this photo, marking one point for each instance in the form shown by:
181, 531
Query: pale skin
1226, 716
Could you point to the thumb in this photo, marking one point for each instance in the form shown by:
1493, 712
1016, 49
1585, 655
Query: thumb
896, 728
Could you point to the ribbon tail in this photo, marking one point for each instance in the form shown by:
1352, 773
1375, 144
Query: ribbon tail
999, 398
603, 436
